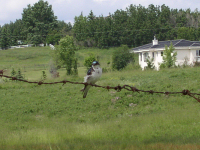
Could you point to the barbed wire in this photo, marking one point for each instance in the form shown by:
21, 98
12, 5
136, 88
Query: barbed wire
118, 88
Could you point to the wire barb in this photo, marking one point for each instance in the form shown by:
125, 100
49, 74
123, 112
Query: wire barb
64, 82
151, 92
186, 92
40, 83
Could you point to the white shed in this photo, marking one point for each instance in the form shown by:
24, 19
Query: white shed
187, 51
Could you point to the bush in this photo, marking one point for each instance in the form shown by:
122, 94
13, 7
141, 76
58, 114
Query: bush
17, 74
65, 55
169, 57
89, 60
150, 64
121, 58
44, 76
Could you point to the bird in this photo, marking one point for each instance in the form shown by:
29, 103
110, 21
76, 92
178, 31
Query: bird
93, 75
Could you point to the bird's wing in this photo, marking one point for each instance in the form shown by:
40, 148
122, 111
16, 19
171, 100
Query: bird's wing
90, 71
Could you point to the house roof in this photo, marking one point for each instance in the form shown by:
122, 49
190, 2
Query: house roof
161, 44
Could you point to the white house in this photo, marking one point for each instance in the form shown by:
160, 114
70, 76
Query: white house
187, 52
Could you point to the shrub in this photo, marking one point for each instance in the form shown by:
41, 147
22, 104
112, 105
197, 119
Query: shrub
44, 76
65, 54
19, 75
89, 60
13, 72
169, 57
121, 57
150, 64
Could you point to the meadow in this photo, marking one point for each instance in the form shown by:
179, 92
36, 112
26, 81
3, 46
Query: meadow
56, 117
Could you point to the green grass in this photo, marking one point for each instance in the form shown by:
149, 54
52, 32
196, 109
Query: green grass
57, 117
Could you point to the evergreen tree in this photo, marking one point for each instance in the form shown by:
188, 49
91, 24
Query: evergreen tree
91, 29
5, 37
79, 28
19, 74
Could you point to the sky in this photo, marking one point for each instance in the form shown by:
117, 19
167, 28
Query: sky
66, 10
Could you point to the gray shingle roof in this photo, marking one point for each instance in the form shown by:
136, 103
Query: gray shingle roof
161, 44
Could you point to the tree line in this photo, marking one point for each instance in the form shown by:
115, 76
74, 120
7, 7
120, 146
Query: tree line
38, 25
134, 26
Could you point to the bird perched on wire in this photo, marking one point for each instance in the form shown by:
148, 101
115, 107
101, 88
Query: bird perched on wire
93, 75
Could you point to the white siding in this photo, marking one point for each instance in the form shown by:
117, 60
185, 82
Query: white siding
158, 60
141, 61
182, 55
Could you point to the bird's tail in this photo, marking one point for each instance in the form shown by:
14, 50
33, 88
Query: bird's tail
87, 87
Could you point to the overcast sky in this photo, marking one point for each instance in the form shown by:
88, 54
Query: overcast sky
66, 10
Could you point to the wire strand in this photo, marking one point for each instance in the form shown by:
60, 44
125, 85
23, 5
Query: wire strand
118, 88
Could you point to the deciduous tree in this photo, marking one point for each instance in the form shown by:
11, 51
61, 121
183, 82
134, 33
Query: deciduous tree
66, 53
38, 20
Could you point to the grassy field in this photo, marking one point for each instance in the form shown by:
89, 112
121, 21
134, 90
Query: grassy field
56, 117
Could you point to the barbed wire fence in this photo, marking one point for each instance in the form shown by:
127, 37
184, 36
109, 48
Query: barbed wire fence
118, 88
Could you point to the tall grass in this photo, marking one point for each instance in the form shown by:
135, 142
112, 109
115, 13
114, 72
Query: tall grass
57, 117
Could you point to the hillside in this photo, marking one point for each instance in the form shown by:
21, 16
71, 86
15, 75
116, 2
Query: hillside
57, 117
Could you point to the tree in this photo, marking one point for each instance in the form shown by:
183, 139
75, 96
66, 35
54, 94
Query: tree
79, 28
121, 57
53, 37
187, 33
38, 20
169, 57
64, 28
66, 53
91, 29
5, 37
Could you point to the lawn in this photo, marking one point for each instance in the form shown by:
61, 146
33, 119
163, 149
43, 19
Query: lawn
56, 117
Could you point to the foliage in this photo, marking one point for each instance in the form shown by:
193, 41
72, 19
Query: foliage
53, 37
129, 27
121, 57
38, 21
150, 64
79, 27
19, 74
134, 26
65, 52
4, 38
59, 32
169, 57
13, 72
75, 66
88, 61
44, 76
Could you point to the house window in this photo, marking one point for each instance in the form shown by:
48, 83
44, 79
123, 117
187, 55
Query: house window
152, 54
161, 53
140, 56
145, 56
197, 52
